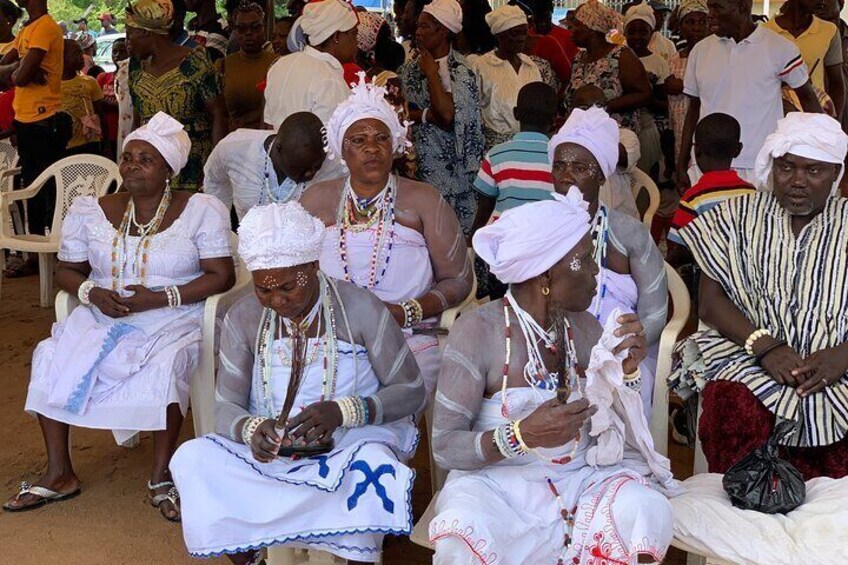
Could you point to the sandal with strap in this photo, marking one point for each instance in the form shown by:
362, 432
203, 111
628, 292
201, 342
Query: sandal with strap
46, 496
172, 496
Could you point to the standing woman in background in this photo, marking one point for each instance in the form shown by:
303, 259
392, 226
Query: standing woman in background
179, 81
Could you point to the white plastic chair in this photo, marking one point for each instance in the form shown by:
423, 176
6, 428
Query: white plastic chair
203, 380
640, 181
80, 175
659, 426
8, 170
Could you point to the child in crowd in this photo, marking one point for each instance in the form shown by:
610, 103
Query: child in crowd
82, 99
716, 145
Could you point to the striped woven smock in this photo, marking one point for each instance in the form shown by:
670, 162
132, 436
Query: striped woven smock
793, 286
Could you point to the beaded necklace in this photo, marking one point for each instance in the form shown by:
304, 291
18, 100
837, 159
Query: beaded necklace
291, 329
379, 211
268, 195
120, 242
567, 521
600, 238
263, 351
549, 379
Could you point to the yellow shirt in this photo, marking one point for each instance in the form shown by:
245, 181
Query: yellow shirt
78, 97
36, 102
820, 46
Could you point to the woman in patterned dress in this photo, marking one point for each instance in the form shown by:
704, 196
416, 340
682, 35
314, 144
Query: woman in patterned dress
613, 68
176, 80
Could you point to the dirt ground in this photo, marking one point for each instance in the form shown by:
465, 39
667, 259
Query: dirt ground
111, 522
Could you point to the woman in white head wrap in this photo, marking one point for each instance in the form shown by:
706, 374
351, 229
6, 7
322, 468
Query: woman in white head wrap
393, 236
444, 107
502, 72
310, 363
692, 24
141, 262
632, 275
311, 79
529, 429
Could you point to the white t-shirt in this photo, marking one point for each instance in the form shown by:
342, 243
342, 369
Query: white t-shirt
307, 81
743, 80
235, 170
662, 46
499, 85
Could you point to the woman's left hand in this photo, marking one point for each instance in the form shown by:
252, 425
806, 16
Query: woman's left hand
821, 369
635, 344
316, 422
142, 299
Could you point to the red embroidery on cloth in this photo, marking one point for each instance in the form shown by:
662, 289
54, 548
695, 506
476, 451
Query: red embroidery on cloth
477, 547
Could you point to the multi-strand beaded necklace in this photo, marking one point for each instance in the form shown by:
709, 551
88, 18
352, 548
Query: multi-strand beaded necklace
268, 333
120, 255
378, 211
600, 239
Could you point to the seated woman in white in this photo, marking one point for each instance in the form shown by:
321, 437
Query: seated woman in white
308, 361
141, 261
396, 237
632, 276
549, 463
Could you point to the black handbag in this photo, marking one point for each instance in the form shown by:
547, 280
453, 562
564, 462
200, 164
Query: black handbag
764, 482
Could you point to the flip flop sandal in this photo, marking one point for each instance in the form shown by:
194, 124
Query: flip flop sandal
172, 496
46, 496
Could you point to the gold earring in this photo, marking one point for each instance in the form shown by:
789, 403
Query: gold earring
546, 291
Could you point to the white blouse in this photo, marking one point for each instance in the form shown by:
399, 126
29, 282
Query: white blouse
499, 85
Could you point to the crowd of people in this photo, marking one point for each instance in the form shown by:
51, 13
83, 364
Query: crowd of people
377, 171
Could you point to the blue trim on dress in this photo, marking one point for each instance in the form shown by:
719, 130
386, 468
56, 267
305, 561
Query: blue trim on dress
113, 336
301, 537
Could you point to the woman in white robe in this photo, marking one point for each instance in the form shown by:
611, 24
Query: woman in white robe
395, 237
356, 394
550, 464
632, 275
122, 360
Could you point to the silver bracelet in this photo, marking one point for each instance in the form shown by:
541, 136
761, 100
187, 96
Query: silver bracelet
84, 292
175, 299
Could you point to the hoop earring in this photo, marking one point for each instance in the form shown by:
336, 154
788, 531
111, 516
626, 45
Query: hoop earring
546, 291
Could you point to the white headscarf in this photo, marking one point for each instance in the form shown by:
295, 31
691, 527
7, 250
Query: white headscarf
642, 12
447, 12
279, 235
528, 240
365, 101
504, 18
690, 7
320, 20
168, 136
812, 136
594, 130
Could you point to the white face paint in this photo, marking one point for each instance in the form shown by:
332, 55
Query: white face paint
575, 264
301, 279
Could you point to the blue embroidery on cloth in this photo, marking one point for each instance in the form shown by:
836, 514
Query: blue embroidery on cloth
371, 478
113, 336
323, 468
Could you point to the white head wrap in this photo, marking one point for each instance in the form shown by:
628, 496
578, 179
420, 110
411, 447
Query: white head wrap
642, 12
278, 236
168, 136
365, 101
296, 41
320, 20
448, 12
812, 136
594, 130
528, 240
504, 18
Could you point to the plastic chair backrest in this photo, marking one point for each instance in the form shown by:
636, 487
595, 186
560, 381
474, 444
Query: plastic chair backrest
79, 175
8, 160
640, 181
681, 306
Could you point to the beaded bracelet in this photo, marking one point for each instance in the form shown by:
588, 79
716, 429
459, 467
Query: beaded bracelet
413, 313
752, 339
249, 428
355, 411
633, 380
175, 299
84, 292
506, 441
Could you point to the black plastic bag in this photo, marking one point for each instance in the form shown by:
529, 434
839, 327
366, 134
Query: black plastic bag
764, 482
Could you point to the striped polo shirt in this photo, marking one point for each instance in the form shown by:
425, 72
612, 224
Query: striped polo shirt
516, 172
714, 188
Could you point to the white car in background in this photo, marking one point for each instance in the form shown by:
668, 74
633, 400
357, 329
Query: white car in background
103, 54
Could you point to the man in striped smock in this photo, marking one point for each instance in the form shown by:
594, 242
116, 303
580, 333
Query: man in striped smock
774, 288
